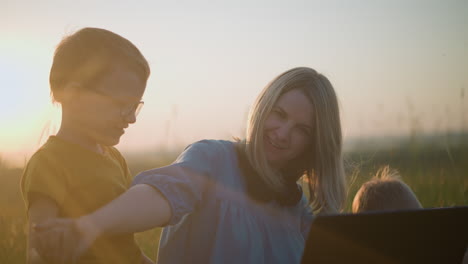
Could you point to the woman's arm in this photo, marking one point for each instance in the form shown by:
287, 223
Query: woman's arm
140, 208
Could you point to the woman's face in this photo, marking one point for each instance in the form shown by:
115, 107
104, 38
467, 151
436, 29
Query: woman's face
288, 128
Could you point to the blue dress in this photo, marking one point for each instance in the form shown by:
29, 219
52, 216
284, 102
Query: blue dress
214, 220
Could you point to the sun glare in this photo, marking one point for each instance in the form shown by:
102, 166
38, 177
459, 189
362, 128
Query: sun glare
26, 111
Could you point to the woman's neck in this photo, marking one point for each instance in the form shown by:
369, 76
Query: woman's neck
258, 190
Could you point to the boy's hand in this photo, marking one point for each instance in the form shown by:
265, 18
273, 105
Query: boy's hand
57, 241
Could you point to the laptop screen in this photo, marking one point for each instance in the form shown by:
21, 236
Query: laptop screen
413, 236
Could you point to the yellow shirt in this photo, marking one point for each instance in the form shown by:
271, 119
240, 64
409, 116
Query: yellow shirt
81, 181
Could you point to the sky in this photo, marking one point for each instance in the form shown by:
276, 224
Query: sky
397, 66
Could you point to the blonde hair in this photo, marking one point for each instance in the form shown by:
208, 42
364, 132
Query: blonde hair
322, 163
385, 191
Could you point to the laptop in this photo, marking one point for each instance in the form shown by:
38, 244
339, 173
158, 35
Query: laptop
410, 236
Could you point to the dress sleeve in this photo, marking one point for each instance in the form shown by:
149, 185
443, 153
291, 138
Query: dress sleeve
42, 176
183, 182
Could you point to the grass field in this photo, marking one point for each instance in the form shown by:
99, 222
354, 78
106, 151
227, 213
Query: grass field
438, 174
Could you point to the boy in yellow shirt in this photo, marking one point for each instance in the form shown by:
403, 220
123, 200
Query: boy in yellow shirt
98, 78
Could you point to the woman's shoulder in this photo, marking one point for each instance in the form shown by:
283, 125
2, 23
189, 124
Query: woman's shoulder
205, 152
210, 147
215, 156
213, 143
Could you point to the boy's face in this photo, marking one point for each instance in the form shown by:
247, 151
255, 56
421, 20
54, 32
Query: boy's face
101, 113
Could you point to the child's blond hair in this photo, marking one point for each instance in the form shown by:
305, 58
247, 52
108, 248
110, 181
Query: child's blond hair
385, 191
90, 53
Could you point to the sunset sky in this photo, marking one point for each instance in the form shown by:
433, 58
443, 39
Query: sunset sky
394, 64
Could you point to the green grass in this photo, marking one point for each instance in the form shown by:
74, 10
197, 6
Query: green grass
12, 239
438, 176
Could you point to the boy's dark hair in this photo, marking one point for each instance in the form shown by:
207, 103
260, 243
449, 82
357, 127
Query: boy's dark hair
385, 192
89, 53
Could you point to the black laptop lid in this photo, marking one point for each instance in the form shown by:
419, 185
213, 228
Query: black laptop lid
417, 236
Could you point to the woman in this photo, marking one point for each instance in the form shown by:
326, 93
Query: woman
239, 202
